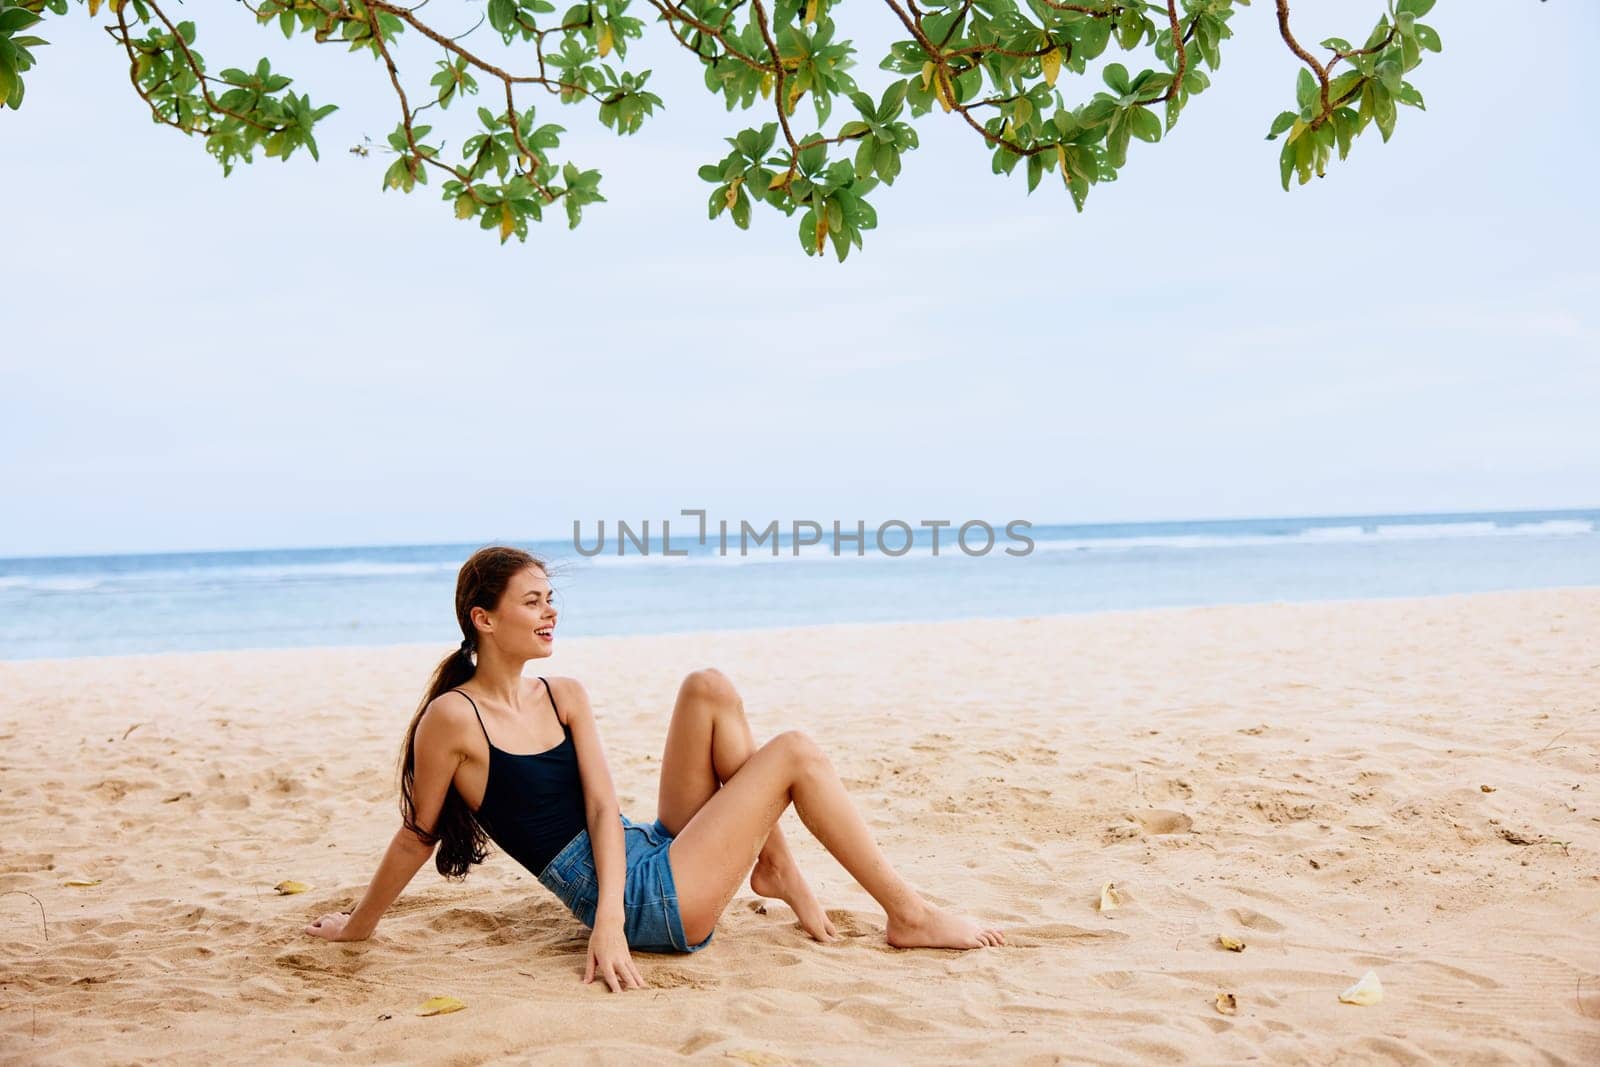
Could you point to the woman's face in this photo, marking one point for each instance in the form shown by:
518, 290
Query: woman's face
525, 623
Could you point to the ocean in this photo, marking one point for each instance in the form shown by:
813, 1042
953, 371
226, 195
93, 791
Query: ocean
53, 607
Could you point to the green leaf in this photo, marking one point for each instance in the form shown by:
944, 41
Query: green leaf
1145, 125
887, 163
866, 156
893, 100
1284, 120
1383, 111
1305, 89
1093, 38
14, 19
1344, 125
1428, 38
1389, 72
1379, 32
1117, 143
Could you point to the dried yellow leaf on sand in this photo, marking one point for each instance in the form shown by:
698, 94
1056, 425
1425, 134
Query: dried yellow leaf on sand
440, 1006
287, 888
81, 881
755, 1056
1232, 944
1110, 897
1227, 1004
1367, 991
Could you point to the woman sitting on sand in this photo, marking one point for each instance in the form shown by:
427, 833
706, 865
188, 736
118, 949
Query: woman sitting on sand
548, 801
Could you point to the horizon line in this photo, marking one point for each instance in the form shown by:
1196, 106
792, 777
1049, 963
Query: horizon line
34, 556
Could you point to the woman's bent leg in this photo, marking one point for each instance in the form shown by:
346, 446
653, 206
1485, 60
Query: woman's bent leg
708, 741
711, 854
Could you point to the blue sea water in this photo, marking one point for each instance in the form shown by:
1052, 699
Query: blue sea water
108, 605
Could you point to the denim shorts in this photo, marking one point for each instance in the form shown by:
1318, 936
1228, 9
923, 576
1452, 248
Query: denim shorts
650, 918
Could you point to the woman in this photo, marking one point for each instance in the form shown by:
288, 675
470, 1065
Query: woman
541, 790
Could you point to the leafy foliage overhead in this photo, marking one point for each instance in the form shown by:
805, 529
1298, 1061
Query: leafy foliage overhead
996, 66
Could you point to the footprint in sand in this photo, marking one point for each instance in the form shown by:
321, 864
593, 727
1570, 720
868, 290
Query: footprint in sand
464, 919
674, 978
701, 1039
1161, 821
1032, 936
848, 925
305, 962
1254, 920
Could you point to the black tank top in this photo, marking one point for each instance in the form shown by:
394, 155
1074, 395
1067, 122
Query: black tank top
532, 803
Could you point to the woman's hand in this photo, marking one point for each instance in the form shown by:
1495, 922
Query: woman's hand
608, 956
335, 926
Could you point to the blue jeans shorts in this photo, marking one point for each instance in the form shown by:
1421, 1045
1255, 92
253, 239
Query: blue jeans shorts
650, 918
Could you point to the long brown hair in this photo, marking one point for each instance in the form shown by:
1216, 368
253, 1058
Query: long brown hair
480, 584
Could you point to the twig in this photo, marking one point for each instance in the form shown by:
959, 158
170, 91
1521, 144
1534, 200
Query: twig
778, 92
1305, 57
1552, 741
35, 899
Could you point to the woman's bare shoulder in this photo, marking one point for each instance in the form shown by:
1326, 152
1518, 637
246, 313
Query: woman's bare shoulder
569, 694
449, 703
447, 716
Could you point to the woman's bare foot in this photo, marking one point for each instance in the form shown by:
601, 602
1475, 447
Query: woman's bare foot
936, 928
791, 887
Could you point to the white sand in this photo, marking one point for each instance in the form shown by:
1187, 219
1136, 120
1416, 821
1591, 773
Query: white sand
1330, 757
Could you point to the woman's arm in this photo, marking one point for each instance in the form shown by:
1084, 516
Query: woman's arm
402, 861
600, 803
608, 952
438, 754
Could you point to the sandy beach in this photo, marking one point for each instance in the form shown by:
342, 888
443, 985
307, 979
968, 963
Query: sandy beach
1402, 786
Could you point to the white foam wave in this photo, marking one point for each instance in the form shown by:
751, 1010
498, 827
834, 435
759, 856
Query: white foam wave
49, 585
264, 574
1323, 534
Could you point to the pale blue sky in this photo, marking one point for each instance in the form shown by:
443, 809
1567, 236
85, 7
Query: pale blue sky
288, 357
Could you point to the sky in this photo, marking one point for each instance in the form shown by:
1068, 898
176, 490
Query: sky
290, 357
